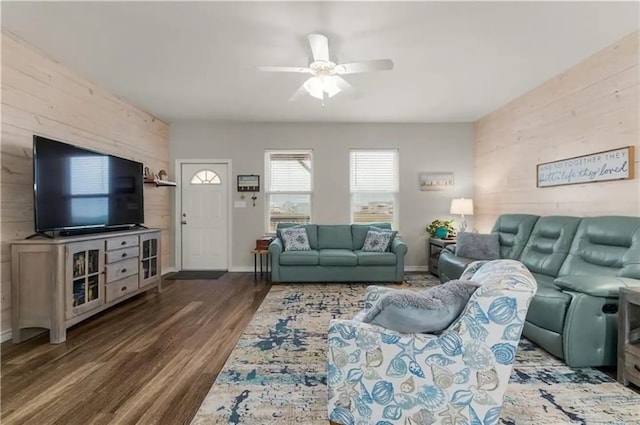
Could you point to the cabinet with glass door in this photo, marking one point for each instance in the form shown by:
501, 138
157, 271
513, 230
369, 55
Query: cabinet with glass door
85, 277
149, 258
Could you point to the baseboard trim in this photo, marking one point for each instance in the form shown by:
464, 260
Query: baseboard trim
5, 335
249, 269
416, 268
168, 270
241, 269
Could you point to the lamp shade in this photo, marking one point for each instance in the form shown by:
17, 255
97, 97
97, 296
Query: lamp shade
461, 206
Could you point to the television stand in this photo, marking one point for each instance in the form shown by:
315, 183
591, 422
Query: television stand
40, 234
59, 282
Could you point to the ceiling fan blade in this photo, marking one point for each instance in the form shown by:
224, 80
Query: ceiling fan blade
298, 93
364, 66
319, 47
345, 87
285, 69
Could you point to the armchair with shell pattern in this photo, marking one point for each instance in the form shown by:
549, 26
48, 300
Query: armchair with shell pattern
378, 376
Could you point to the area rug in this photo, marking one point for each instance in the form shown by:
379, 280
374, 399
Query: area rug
276, 373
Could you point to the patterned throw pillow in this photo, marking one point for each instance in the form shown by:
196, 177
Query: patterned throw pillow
377, 240
380, 229
295, 239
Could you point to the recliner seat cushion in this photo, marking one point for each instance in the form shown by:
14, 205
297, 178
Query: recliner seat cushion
337, 257
452, 266
299, 258
336, 236
544, 280
376, 258
548, 309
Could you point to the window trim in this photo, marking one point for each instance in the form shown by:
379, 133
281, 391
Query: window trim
395, 223
267, 185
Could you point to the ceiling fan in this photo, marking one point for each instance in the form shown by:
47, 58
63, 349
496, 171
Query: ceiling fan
326, 75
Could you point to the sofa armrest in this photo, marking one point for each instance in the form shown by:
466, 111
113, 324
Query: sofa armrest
597, 286
275, 249
451, 248
398, 247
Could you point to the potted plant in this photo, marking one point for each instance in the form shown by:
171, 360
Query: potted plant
441, 228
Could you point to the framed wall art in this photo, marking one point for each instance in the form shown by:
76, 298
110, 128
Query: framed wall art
614, 164
432, 181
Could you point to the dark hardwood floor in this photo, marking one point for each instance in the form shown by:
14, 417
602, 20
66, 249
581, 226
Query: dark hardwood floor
149, 360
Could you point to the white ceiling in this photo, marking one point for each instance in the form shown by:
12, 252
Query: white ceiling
454, 61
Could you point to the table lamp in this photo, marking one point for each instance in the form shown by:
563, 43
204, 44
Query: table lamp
462, 206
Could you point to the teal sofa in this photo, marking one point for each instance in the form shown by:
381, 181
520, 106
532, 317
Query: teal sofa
336, 256
580, 264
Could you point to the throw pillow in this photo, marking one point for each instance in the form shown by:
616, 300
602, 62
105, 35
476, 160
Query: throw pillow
295, 239
393, 234
377, 240
428, 311
477, 246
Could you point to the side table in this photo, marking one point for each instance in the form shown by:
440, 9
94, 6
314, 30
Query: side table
260, 253
435, 246
629, 336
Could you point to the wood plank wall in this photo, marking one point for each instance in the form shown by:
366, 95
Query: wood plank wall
591, 107
41, 96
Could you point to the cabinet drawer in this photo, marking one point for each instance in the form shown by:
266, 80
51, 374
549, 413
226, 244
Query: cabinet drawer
632, 367
122, 254
121, 287
122, 242
122, 269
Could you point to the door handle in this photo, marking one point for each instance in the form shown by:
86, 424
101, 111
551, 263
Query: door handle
184, 221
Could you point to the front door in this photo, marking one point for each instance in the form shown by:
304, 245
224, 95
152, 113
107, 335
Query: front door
204, 216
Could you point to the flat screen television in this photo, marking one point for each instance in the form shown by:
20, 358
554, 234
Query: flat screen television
76, 188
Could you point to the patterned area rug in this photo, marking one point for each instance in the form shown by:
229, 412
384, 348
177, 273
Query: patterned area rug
276, 374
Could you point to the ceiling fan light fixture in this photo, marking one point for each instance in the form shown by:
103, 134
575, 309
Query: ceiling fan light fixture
313, 86
317, 86
330, 86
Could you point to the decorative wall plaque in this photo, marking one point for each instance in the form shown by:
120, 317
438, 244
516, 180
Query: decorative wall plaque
615, 164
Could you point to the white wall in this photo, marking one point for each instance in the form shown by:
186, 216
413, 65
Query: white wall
422, 147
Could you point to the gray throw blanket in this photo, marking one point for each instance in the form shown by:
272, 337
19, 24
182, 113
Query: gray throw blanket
452, 293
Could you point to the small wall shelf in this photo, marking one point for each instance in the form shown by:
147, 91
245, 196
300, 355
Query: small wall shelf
159, 182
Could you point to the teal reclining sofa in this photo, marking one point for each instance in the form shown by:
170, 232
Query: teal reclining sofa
580, 264
336, 256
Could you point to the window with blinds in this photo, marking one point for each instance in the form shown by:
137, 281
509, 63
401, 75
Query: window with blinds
288, 187
374, 186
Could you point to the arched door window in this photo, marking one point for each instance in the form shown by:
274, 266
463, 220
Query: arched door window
205, 177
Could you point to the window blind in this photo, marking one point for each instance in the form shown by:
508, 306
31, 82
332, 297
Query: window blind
374, 170
288, 172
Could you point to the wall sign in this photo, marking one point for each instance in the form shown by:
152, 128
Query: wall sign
616, 164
